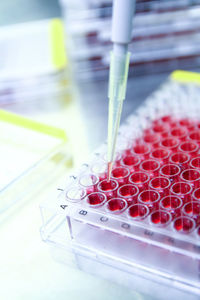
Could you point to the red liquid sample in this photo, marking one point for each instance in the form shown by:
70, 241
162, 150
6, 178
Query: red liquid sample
131, 161
166, 119
109, 188
150, 198
180, 158
129, 192
140, 179
196, 194
116, 205
190, 125
96, 199
151, 166
121, 174
185, 122
195, 136
192, 209
151, 138
107, 185
161, 128
141, 149
171, 171
138, 211
170, 121
184, 224
172, 204
179, 133
189, 147
160, 154
183, 190
160, 184
160, 217
170, 143
192, 176
195, 162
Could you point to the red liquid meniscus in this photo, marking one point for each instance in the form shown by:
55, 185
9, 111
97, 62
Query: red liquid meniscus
96, 199
160, 217
138, 211
116, 205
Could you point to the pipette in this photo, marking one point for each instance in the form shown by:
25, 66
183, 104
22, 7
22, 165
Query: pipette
119, 64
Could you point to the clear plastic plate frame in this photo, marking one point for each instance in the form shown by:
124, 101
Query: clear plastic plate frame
116, 239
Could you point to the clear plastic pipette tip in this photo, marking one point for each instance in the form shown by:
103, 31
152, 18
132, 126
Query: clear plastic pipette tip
109, 170
117, 89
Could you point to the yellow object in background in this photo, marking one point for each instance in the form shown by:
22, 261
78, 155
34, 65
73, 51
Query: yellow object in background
186, 76
57, 39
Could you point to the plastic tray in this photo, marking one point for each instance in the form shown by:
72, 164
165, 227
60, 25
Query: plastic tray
39, 67
29, 151
141, 254
161, 30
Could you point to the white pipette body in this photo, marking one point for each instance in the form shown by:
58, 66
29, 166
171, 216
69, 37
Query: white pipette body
122, 19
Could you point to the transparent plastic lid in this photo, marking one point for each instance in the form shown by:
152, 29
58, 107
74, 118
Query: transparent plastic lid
27, 145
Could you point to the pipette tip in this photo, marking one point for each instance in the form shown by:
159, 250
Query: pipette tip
109, 170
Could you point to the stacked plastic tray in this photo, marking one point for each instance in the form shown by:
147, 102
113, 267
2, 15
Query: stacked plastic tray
37, 68
146, 219
161, 31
